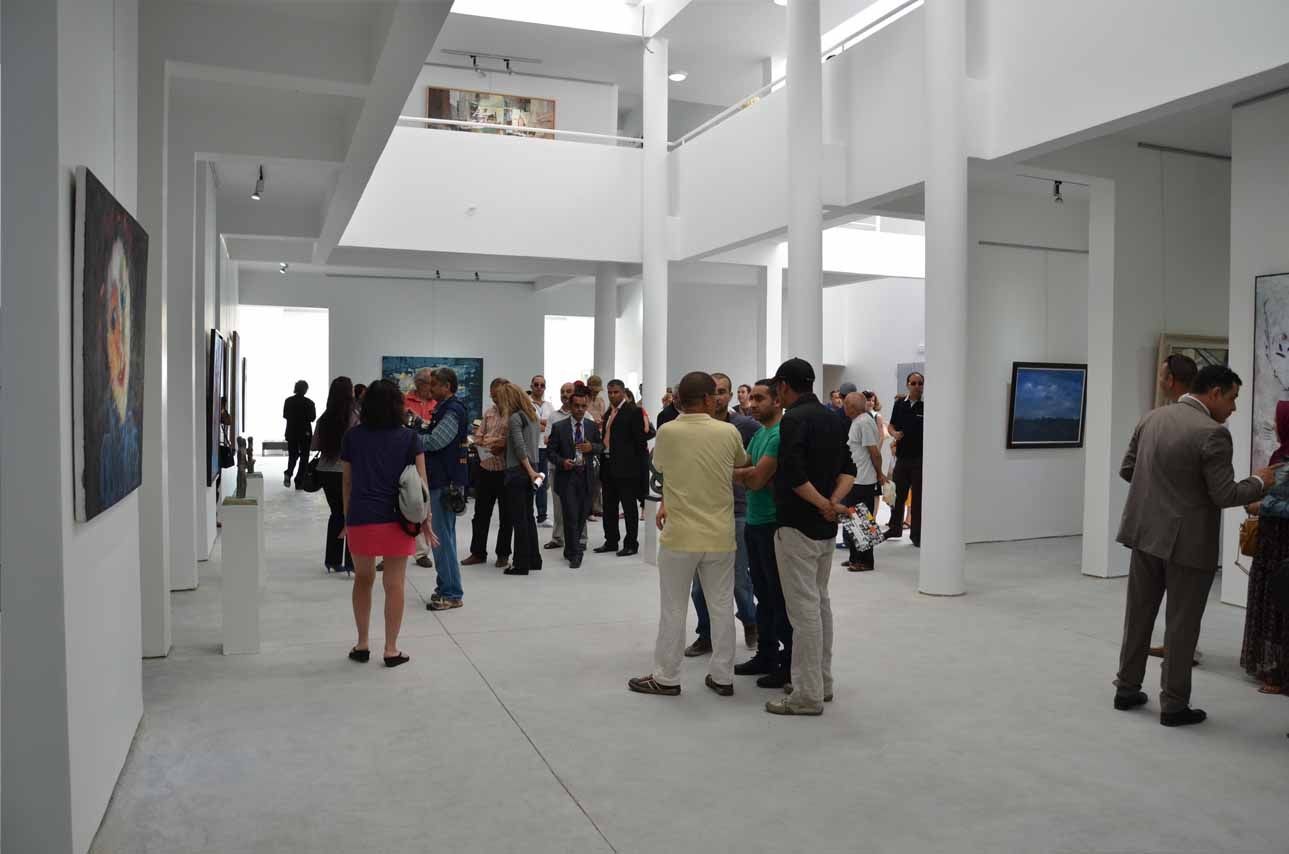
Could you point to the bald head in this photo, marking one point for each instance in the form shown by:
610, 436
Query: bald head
855, 404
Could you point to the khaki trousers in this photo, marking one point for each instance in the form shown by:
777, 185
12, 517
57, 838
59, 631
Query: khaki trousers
1188, 588
805, 566
675, 575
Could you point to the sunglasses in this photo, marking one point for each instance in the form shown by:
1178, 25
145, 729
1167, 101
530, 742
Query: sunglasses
539, 385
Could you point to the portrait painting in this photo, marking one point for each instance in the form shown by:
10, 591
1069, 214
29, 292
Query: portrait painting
1048, 405
1270, 361
505, 111
469, 371
109, 308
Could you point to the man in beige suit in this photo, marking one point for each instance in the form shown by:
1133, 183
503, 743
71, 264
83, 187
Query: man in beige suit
1179, 468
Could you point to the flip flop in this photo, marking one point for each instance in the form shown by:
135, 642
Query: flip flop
362, 656
396, 660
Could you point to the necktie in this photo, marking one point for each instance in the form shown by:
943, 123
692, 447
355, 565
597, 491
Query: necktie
577, 433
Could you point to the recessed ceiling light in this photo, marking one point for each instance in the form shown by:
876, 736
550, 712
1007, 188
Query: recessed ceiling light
678, 76
780, 2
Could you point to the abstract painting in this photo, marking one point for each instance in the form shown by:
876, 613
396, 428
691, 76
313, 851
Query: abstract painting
109, 306
1203, 350
505, 111
1048, 405
401, 369
1270, 360
214, 398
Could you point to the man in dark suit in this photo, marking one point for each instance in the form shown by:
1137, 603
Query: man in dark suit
1179, 469
572, 446
625, 454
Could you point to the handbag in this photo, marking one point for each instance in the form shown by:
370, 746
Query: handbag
227, 459
1249, 537
888, 493
454, 499
308, 479
413, 500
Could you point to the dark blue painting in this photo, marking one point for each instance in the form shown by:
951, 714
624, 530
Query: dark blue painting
1048, 405
401, 369
110, 274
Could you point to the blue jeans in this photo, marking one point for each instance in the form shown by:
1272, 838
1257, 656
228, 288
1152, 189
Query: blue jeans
446, 565
543, 466
744, 604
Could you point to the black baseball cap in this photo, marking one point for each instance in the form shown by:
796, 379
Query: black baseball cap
797, 373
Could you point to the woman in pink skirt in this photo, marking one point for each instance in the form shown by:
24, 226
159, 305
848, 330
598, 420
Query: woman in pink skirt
374, 455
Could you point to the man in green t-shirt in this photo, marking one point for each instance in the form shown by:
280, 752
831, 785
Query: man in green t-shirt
772, 664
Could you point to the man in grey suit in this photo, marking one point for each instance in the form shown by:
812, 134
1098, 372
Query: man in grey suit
1179, 468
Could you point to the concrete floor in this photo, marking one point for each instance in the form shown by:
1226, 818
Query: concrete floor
977, 724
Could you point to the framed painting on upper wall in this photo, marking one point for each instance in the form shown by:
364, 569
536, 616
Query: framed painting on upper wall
109, 307
1204, 350
1047, 406
505, 111
1270, 361
469, 371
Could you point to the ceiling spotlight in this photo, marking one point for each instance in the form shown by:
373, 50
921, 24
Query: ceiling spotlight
678, 76
780, 2
476, 277
1057, 198
259, 185
282, 268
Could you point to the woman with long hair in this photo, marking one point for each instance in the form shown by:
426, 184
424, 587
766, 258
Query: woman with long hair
1266, 624
374, 455
328, 434
523, 437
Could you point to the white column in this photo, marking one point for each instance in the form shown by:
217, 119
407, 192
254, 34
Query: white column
606, 319
805, 199
1102, 556
773, 316
654, 221
185, 421
940, 572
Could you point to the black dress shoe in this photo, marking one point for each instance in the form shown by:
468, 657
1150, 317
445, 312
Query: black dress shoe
1185, 717
775, 680
510, 570
605, 549
553, 545
722, 690
754, 666
575, 562
628, 551
1125, 702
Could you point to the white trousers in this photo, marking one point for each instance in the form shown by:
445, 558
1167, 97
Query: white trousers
675, 576
805, 566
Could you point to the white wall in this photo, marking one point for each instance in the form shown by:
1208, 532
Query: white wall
479, 193
712, 328
1259, 223
1171, 236
580, 106
72, 589
371, 318
886, 325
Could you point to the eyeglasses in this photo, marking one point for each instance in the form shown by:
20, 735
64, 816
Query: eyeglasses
539, 385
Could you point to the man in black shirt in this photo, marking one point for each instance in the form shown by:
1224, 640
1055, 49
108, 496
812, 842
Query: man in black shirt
906, 429
300, 414
814, 474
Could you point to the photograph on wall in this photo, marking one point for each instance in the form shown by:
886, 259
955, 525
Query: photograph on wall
401, 369
109, 306
1048, 405
505, 111
214, 396
1270, 361
1202, 349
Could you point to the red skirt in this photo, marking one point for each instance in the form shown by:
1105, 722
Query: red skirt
380, 539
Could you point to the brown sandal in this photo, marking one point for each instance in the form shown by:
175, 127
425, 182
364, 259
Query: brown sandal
1270, 688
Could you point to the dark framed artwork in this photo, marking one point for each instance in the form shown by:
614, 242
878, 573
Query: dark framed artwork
494, 108
469, 370
1270, 361
109, 308
1204, 350
214, 395
1047, 406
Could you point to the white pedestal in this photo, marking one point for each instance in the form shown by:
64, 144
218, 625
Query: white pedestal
255, 492
243, 576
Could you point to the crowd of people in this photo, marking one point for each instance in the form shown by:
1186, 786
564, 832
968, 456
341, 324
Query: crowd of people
729, 511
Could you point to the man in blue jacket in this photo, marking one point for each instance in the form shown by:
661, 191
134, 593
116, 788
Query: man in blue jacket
443, 439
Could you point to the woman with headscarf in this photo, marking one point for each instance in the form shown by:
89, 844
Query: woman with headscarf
1266, 623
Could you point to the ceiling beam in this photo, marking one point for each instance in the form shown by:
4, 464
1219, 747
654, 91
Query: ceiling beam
414, 26
265, 79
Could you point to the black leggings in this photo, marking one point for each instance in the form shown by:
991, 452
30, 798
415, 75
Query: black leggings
332, 486
519, 495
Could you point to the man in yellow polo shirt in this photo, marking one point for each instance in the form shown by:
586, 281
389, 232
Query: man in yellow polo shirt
696, 456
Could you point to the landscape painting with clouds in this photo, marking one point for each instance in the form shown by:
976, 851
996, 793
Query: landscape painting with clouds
1048, 402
